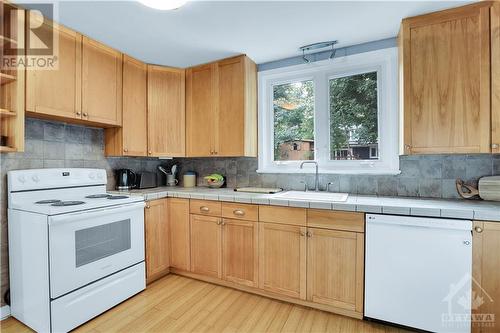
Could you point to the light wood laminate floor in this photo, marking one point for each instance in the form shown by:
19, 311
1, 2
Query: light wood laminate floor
179, 304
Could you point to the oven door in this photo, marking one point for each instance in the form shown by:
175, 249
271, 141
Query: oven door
87, 246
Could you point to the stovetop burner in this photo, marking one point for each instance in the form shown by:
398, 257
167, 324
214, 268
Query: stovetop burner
98, 196
68, 203
115, 197
50, 201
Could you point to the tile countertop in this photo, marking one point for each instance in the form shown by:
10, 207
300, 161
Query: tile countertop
460, 209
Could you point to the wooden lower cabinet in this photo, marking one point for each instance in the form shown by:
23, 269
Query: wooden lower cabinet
486, 273
180, 238
335, 265
206, 242
240, 252
282, 259
157, 239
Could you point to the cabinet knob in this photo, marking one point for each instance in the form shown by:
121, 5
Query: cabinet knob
85, 114
204, 209
302, 233
149, 152
478, 230
78, 114
148, 206
218, 222
407, 147
495, 146
125, 149
239, 212
222, 222
309, 234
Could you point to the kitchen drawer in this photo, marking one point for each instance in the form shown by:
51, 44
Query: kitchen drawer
205, 207
240, 211
282, 215
337, 220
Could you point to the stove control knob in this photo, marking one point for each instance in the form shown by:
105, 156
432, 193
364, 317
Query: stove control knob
22, 179
35, 178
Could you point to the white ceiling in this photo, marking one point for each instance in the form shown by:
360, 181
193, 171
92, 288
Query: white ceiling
203, 31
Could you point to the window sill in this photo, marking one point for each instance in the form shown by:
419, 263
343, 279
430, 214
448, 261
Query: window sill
311, 170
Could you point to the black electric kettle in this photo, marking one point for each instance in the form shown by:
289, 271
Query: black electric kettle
125, 179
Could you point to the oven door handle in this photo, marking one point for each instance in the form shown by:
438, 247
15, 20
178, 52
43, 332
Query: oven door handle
96, 212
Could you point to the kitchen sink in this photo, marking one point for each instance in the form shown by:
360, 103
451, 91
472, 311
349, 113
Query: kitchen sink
312, 195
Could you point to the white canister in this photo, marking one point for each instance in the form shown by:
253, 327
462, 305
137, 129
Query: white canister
189, 179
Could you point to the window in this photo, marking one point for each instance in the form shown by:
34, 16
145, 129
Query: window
341, 113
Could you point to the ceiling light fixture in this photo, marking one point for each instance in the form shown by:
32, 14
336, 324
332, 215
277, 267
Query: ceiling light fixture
163, 4
316, 46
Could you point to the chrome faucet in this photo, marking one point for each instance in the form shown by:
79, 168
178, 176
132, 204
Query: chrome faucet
316, 182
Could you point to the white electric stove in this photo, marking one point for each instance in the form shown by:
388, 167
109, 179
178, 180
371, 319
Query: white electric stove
74, 250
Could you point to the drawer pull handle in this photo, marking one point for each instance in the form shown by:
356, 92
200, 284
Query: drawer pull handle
204, 209
478, 229
239, 212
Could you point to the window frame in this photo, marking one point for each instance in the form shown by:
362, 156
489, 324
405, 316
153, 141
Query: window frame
384, 62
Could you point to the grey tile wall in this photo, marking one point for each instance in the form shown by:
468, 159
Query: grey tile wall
54, 144
421, 176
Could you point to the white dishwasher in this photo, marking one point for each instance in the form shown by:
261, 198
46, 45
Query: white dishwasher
418, 272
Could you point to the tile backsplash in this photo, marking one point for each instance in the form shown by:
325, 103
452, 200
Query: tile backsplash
54, 144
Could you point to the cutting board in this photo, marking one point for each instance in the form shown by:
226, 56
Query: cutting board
267, 190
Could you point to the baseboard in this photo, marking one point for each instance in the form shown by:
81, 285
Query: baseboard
4, 312
332, 309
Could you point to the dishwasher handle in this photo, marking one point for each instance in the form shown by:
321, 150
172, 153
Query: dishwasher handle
423, 222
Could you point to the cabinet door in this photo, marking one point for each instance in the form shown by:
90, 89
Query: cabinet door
102, 83
240, 251
495, 78
201, 120
166, 111
282, 259
57, 92
236, 133
178, 216
335, 261
446, 61
486, 273
157, 249
134, 120
230, 134
206, 252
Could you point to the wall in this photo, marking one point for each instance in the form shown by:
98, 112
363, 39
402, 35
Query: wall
54, 144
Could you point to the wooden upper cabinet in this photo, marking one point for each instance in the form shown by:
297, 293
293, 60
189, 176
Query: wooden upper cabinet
237, 105
486, 273
335, 267
206, 242
57, 92
221, 108
132, 138
157, 239
200, 110
445, 70
166, 111
101, 83
495, 78
178, 216
282, 259
240, 251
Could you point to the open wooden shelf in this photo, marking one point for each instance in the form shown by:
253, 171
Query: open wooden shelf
7, 149
7, 113
6, 78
